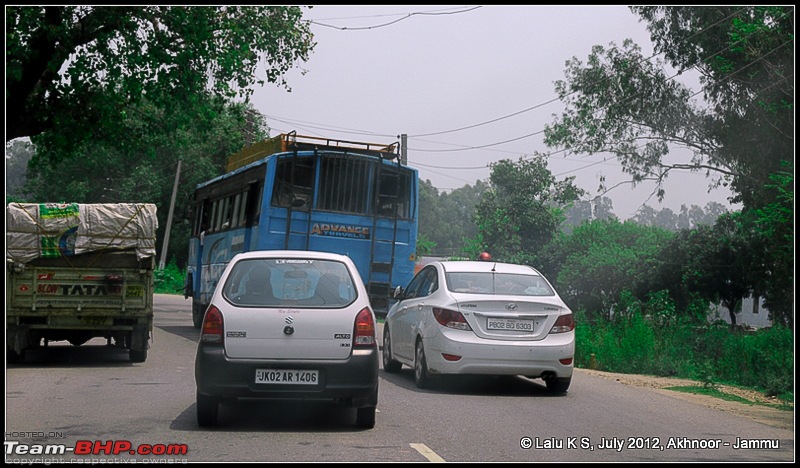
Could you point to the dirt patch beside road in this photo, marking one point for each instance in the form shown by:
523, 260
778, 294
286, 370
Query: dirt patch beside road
775, 417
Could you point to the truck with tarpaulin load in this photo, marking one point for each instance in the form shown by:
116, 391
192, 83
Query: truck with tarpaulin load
76, 271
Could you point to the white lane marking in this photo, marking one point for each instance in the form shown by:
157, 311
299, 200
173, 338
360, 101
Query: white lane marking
427, 453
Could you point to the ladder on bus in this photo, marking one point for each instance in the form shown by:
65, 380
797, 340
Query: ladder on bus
294, 207
382, 249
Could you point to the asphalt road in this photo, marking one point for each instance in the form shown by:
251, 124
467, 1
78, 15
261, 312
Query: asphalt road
73, 396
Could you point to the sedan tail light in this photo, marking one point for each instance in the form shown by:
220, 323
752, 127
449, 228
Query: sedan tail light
364, 330
212, 326
564, 324
451, 319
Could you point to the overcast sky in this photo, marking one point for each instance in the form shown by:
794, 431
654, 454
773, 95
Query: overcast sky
460, 81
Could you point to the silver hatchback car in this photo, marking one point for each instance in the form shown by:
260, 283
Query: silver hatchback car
288, 325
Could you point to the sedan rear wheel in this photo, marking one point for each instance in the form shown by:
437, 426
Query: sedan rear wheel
389, 364
207, 410
421, 375
558, 386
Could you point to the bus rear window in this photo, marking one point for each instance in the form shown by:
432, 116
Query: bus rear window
294, 180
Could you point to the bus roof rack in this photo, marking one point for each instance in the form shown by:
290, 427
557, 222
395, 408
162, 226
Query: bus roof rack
292, 141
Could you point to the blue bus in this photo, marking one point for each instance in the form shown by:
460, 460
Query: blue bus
307, 193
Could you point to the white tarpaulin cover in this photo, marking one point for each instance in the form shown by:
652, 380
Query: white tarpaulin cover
36, 230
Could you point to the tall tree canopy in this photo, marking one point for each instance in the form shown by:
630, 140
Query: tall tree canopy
73, 70
622, 102
143, 169
447, 219
522, 209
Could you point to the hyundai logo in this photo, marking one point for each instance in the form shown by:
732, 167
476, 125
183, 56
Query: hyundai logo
511, 306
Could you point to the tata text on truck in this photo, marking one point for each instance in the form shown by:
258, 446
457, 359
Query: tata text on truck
75, 272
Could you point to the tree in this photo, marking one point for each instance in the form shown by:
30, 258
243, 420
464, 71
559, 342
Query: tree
447, 219
742, 130
746, 59
599, 260
18, 153
587, 210
627, 104
687, 218
143, 167
718, 265
523, 208
74, 71
774, 270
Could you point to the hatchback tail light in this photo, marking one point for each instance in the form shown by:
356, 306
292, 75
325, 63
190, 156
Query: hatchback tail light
364, 330
212, 326
564, 324
451, 319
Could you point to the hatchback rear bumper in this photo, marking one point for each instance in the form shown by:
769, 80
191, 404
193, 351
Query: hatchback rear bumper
352, 382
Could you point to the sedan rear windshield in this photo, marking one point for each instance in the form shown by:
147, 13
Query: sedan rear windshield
498, 283
289, 282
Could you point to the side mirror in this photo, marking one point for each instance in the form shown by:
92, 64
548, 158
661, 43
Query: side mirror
398, 292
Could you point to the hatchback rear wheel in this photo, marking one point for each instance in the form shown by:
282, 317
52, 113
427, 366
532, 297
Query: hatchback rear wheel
207, 410
365, 417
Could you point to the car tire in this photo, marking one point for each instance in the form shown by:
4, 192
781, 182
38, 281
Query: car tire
365, 417
558, 386
197, 315
207, 410
389, 365
421, 375
138, 356
13, 357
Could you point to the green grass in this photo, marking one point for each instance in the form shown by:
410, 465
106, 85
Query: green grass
716, 393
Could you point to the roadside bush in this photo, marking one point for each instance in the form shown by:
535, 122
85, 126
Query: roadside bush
170, 280
651, 338
759, 359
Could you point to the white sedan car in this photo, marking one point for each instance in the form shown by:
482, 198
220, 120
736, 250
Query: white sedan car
477, 317
288, 325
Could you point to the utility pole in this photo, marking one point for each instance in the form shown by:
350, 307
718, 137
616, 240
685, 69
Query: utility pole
404, 149
169, 218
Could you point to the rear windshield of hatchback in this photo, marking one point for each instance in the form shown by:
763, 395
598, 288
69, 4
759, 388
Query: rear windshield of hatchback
289, 282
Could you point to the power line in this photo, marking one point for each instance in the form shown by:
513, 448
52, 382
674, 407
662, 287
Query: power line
537, 106
407, 15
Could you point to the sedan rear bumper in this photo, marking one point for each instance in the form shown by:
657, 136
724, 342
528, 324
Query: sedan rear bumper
495, 357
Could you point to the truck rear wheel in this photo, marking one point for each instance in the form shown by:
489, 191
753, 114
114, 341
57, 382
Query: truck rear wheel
13, 357
138, 356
